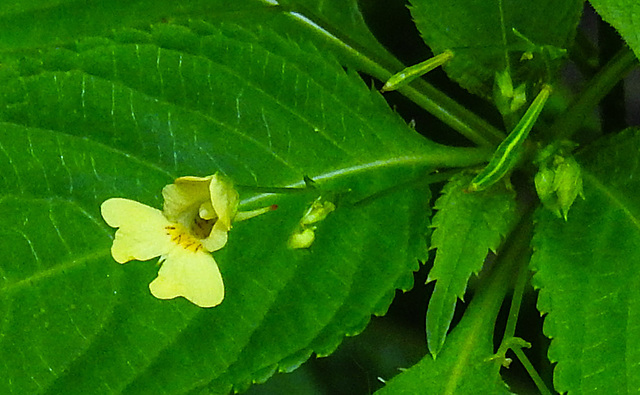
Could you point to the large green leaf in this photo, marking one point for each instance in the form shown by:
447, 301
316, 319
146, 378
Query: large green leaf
463, 236
480, 34
588, 269
124, 115
621, 14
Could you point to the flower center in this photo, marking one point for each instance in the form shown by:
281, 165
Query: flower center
201, 228
181, 237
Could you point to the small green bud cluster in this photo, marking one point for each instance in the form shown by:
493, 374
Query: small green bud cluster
508, 99
558, 183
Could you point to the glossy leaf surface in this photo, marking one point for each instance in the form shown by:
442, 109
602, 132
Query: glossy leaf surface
587, 272
122, 116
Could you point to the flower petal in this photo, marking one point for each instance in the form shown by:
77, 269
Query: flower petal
224, 199
142, 234
193, 275
217, 238
183, 198
206, 211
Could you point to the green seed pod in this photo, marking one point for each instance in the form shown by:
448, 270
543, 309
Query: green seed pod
410, 73
506, 155
544, 183
545, 189
568, 184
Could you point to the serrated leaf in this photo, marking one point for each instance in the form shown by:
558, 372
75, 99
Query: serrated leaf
463, 367
64, 21
480, 34
467, 226
622, 14
466, 364
587, 271
123, 116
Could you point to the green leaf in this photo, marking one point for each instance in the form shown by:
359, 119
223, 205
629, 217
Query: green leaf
481, 36
587, 271
463, 367
124, 115
466, 364
621, 14
463, 236
63, 21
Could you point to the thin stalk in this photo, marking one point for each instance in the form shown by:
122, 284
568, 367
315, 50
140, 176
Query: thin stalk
436, 157
542, 387
510, 329
598, 87
516, 302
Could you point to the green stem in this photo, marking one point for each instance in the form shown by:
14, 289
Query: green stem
426, 96
479, 319
510, 329
469, 345
517, 252
432, 156
513, 256
451, 113
597, 88
516, 302
542, 387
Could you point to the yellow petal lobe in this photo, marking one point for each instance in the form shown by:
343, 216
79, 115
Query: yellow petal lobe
142, 234
192, 275
217, 238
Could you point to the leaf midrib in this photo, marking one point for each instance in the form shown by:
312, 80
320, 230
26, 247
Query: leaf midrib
76, 261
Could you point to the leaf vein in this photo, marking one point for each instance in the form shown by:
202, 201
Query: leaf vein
617, 199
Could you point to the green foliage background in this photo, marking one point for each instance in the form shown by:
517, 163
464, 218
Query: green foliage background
118, 98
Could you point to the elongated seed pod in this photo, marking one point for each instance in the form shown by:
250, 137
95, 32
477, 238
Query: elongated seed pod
506, 155
412, 72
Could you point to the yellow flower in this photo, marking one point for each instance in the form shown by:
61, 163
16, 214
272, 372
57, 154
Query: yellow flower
203, 205
197, 216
